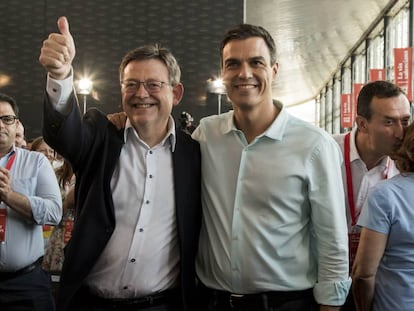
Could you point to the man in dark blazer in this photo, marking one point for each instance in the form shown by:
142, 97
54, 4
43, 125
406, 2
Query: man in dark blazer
138, 209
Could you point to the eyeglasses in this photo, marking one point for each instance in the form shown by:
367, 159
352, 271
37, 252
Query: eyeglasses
152, 86
8, 119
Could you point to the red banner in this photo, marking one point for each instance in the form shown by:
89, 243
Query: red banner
376, 75
346, 110
403, 70
355, 92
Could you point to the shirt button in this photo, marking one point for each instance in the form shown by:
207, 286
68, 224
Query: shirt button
150, 152
133, 260
147, 202
141, 230
150, 176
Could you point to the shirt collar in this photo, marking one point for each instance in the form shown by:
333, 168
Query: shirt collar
275, 130
170, 137
354, 155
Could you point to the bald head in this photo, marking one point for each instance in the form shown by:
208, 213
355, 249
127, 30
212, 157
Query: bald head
20, 141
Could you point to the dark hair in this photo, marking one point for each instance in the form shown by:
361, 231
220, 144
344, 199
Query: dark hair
11, 101
245, 31
155, 51
379, 89
404, 155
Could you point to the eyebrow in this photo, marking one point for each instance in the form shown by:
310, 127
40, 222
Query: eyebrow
407, 117
254, 58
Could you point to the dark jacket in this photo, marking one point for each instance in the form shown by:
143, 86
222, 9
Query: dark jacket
93, 145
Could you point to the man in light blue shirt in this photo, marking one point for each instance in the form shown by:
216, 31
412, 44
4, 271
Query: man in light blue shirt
274, 229
30, 197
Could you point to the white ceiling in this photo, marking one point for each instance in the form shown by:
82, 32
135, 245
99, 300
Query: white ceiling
313, 38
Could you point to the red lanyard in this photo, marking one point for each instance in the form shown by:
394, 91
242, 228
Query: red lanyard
3, 211
11, 161
349, 185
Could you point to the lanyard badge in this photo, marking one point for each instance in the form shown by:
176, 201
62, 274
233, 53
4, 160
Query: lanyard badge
3, 210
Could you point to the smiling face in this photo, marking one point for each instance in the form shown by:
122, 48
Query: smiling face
7, 131
247, 72
47, 151
146, 109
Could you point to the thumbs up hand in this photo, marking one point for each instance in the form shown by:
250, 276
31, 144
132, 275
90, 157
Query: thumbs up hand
58, 51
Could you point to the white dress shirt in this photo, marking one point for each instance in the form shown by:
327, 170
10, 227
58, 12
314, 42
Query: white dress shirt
363, 180
142, 255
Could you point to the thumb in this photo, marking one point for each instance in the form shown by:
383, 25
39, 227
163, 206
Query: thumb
63, 26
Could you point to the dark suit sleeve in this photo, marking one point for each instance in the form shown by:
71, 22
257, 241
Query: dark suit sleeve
72, 136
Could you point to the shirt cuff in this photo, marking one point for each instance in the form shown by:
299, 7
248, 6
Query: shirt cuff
59, 92
332, 293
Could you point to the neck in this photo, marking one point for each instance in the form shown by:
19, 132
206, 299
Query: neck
366, 153
254, 122
4, 151
152, 136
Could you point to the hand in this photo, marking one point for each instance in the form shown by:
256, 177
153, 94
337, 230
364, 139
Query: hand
117, 119
5, 184
58, 51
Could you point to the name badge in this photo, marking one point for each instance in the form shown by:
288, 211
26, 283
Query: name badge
353, 239
3, 214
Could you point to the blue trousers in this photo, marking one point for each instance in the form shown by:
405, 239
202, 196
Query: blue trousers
27, 292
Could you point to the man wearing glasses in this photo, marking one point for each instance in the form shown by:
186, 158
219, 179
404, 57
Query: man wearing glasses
30, 198
138, 203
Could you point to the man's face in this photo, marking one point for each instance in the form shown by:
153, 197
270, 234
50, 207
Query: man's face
7, 132
385, 129
144, 108
247, 72
20, 141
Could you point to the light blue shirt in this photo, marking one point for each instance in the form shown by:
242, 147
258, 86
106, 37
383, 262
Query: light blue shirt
32, 175
273, 210
390, 211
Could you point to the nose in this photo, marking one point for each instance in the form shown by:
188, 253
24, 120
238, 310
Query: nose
141, 91
245, 71
399, 130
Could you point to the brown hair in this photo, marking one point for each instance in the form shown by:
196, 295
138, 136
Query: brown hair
155, 51
404, 155
64, 173
36, 143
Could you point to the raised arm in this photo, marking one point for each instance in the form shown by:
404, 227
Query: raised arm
58, 51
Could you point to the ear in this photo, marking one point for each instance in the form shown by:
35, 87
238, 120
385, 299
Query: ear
275, 69
178, 92
362, 124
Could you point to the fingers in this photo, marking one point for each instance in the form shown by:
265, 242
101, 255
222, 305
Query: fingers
117, 119
4, 177
58, 51
4, 183
63, 26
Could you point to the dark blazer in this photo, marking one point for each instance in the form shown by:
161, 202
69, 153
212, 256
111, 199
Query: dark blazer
93, 145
